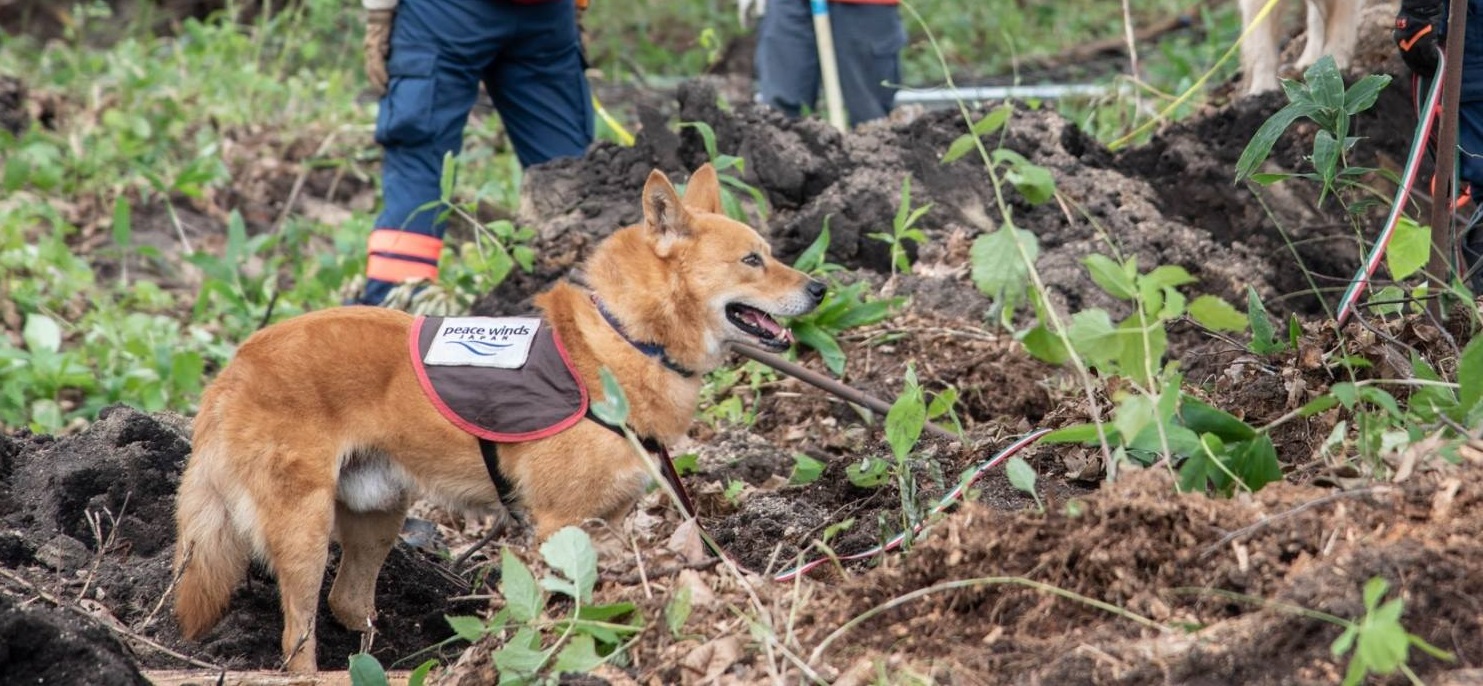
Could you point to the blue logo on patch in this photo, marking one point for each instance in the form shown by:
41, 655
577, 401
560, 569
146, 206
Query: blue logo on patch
482, 348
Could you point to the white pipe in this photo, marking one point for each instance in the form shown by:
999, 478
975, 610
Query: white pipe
926, 96
828, 68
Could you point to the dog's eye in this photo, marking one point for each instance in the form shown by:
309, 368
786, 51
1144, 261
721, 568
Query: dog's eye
752, 260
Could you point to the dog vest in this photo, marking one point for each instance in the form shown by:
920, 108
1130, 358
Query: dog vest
502, 379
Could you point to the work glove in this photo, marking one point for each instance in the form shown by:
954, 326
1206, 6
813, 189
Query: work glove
1416, 27
377, 45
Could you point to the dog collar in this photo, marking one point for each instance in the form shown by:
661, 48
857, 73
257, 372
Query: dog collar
648, 348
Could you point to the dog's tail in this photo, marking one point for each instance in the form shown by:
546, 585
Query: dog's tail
211, 557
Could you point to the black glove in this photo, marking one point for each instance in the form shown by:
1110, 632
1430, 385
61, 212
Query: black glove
1416, 27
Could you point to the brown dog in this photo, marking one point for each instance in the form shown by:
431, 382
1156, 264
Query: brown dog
318, 427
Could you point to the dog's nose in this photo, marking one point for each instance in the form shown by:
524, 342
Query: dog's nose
816, 290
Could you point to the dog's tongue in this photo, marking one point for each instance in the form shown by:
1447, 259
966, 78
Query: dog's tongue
760, 320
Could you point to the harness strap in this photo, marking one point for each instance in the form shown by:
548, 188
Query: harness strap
490, 451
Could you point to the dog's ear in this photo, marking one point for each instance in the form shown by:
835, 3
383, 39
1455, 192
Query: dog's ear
703, 192
665, 217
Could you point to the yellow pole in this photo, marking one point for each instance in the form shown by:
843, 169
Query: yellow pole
828, 68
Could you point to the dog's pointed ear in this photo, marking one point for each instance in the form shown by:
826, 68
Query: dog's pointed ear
703, 192
665, 216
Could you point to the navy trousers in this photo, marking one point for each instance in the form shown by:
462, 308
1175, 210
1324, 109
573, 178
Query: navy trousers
529, 57
868, 39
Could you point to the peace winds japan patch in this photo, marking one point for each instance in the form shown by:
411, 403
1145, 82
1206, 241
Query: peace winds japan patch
498, 342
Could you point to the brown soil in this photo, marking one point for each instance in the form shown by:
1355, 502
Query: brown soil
87, 518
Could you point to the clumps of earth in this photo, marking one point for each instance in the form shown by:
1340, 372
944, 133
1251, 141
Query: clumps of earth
86, 520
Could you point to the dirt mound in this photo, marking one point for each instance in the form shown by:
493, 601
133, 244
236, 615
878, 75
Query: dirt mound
89, 519
1172, 201
1175, 560
49, 646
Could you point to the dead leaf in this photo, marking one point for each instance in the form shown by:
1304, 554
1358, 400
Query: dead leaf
687, 543
710, 661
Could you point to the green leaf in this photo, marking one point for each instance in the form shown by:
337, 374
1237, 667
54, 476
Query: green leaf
870, 472
1093, 336
1409, 250
1045, 346
1217, 315
1260, 147
812, 258
998, 269
1363, 94
1078, 433
570, 552
613, 408
1325, 83
1262, 341
1320, 404
1111, 276
906, 417
42, 334
1204, 419
1168, 276
806, 470
828, 348
989, 123
1021, 474
579, 655
1032, 181
468, 628
1344, 642
677, 611
865, 314
521, 656
123, 231
418, 677
1470, 375
1325, 160
686, 464
366, 670
1255, 463
522, 596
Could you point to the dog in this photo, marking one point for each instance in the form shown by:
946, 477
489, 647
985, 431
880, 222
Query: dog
1333, 29
318, 426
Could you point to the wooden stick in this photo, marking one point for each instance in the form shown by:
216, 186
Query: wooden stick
820, 381
1443, 245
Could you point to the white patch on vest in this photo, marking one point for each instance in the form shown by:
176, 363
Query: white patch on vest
499, 342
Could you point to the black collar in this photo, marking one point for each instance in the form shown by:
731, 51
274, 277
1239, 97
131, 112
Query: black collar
650, 349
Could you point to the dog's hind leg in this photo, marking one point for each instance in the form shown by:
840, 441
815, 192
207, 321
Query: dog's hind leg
365, 539
1315, 39
298, 513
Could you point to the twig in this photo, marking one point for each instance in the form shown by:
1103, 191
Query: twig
1267, 521
823, 382
630, 579
118, 630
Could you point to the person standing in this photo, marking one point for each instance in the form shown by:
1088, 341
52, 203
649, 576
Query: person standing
868, 38
1420, 30
427, 59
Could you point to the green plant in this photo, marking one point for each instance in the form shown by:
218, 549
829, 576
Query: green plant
730, 183
1323, 99
903, 230
1022, 477
1381, 645
534, 644
844, 306
806, 470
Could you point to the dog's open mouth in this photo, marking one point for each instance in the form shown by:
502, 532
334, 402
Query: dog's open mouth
760, 325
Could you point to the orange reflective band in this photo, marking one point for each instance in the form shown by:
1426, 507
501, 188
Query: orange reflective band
394, 270
1411, 42
405, 243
